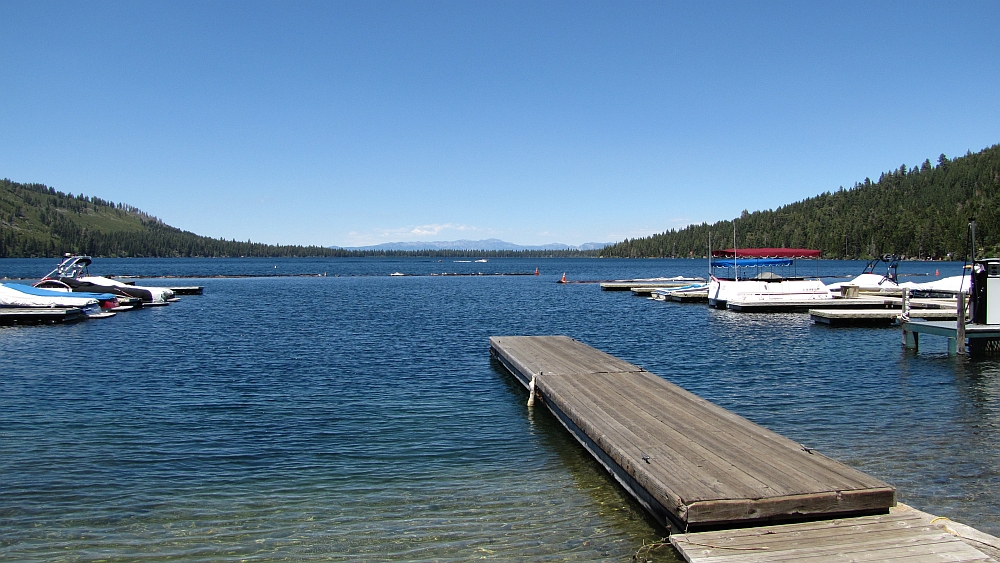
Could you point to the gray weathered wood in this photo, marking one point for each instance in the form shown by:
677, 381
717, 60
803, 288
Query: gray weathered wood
672, 449
905, 535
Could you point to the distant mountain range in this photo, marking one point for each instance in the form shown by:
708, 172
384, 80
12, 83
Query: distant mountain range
487, 244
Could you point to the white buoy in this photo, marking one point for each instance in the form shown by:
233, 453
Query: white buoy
531, 392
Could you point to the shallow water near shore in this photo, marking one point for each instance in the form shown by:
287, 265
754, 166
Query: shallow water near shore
358, 416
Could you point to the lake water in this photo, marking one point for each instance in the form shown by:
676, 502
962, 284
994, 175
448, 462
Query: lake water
357, 416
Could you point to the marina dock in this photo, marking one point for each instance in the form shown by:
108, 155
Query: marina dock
874, 317
905, 535
39, 315
728, 490
188, 289
651, 283
691, 463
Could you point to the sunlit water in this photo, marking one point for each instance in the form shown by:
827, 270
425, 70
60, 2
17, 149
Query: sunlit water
358, 416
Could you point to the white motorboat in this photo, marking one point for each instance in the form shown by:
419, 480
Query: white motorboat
751, 275
871, 282
72, 275
13, 296
689, 289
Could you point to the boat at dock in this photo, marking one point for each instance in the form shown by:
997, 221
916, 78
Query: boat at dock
72, 275
870, 281
762, 276
26, 297
108, 301
657, 283
690, 291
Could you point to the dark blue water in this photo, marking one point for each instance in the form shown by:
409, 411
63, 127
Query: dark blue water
358, 416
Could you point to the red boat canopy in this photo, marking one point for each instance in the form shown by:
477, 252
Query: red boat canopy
766, 253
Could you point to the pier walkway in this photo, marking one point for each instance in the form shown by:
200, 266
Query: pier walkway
691, 463
905, 535
729, 490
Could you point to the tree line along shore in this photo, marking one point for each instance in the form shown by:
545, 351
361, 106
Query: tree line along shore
919, 212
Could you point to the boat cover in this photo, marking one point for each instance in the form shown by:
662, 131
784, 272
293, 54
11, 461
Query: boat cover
40, 291
91, 287
13, 297
766, 253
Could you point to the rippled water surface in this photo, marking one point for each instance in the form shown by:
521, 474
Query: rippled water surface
357, 416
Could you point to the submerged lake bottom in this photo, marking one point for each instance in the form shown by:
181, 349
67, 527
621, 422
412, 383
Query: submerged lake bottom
358, 416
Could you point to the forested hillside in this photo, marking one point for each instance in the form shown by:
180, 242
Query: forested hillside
38, 221
918, 212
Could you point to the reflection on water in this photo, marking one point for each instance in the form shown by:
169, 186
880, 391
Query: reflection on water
360, 417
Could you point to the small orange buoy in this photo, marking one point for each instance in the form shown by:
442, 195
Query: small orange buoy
937, 272
536, 271
563, 280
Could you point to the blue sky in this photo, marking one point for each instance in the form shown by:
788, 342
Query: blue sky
352, 123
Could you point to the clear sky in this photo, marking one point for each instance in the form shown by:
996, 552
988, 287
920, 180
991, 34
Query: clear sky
353, 123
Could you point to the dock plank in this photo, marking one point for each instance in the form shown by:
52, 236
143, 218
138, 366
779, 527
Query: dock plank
904, 535
702, 464
874, 317
761, 451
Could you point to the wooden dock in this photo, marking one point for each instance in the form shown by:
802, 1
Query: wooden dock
870, 301
39, 315
807, 304
188, 289
692, 464
644, 290
700, 297
874, 317
905, 535
653, 283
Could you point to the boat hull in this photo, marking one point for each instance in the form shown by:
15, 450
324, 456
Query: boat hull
722, 293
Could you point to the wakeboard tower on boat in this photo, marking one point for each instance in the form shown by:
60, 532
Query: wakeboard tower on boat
72, 274
869, 281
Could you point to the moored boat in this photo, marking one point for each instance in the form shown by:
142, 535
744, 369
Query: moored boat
22, 296
72, 275
106, 300
762, 275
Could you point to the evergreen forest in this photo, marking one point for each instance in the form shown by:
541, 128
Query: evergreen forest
917, 212
38, 221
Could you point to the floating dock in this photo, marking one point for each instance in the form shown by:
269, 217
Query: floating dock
905, 535
692, 464
188, 290
874, 317
39, 315
870, 301
652, 283
644, 290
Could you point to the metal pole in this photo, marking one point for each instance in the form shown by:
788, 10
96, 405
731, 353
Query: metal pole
736, 254
972, 225
960, 332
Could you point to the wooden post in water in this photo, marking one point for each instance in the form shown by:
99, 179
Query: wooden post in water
960, 333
